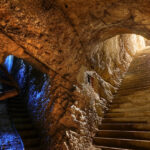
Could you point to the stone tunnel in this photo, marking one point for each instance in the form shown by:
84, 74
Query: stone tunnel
74, 75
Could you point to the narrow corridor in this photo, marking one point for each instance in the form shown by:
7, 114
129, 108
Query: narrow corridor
126, 125
23, 123
9, 137
17, 131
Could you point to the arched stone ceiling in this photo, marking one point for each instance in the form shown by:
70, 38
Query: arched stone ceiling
58, 33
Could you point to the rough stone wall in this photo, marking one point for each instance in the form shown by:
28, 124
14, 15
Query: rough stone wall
108, 63
65, 40
67, 115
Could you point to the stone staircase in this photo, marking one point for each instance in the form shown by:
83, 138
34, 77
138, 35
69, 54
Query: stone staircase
126, 125
17, 130
22, 122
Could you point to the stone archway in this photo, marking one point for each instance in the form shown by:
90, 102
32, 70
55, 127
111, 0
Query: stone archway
55, 36
68, 28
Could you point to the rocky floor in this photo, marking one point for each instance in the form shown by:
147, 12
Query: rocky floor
9, 138
126, 125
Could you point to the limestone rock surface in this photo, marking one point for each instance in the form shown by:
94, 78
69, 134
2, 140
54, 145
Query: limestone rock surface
79, 45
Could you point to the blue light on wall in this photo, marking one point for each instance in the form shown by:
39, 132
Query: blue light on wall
21, 74
35, 88
9, 63
38, 97
11, 141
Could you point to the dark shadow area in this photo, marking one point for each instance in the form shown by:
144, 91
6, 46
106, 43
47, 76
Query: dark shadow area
26, 113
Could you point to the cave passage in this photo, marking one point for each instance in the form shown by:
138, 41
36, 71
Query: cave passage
24, 93
17, 129
25, 102
126, 123
9, 137
68, 60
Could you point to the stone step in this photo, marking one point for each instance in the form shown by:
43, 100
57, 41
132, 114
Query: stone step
126, 91
129, 92
141, 135
125, 126
122, 143
135, 83
24, 115
17, 110
19, 116
23, 126
133, 88
109, 148
124, 100
132, 109
33, 148
31, 142
17, 102
28, 133
23, 123
127, 80
21, 120
125, 120
130, 105
16, 105
10, 107
127, 114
